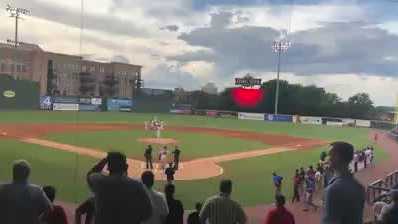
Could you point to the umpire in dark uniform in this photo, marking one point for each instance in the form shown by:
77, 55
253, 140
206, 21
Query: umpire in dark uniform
148, 157
176, 154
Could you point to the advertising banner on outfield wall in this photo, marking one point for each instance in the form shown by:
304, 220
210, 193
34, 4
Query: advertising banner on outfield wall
362, 123
334, 123
180, 111
85, 100
310, 120
46, 103
212, 113
88, 107
66, 106
66, 99
119, 104
250, 116
348, 122
96, 101
279, 117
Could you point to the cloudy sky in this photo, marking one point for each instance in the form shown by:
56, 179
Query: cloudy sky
345, 46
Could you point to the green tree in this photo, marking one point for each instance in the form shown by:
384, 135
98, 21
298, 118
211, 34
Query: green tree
360, 105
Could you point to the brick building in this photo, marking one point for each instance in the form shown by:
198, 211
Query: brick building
68, 75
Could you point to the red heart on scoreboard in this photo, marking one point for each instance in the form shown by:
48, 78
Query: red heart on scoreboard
247, 98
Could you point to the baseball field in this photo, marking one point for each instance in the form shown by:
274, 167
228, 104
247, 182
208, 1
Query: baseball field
62, 146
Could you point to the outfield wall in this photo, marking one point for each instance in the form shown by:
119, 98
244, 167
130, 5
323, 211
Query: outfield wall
18, 94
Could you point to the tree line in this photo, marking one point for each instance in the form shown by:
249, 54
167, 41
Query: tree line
293, 99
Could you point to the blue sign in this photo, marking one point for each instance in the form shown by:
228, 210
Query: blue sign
46, 102
119, 104
279, 117
86, 107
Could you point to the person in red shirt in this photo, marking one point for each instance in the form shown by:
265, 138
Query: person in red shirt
279, 215
57, 214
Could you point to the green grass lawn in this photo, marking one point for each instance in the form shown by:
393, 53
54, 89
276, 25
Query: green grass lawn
251, 176
193, 145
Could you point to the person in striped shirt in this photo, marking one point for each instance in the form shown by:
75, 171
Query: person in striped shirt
221, 209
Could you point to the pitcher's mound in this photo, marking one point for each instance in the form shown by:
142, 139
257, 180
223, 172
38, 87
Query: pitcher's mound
158, 141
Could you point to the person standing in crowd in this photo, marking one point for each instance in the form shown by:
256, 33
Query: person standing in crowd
176, 155
302, 181
193, 218
369, 155
356, 160
57, 214
309, 193
311, 171
389, 213
87, 209
118, 198
279, 215
365, 159
344, 197
372, 156
277, 182
296, 187
160, 209
220, 209
320, 168
318, 180
176, 209
170, 171
21, 202
148, 157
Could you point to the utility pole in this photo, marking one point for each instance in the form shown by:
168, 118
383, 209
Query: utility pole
279, 47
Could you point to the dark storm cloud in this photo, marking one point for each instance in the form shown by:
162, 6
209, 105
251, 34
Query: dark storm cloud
334, 48
105, 23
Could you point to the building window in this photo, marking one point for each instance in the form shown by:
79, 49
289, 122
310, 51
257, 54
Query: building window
24, 68
102, 69
3, 67
84, 68
92, 68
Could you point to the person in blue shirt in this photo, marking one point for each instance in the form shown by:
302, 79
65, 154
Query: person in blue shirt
277, 182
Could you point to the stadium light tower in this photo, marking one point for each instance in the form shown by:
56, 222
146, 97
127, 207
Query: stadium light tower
279, 46
16, 13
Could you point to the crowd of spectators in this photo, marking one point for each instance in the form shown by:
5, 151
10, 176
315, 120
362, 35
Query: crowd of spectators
118, 199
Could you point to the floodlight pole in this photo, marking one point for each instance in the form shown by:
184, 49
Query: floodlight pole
279, 47
16, 13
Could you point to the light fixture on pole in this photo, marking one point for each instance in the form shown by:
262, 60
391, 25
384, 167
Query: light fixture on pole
279, 46
16, 13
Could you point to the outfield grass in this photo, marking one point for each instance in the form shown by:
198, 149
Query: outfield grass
193, 145
251, 176
301, 130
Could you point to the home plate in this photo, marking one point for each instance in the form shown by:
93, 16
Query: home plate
298, 145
